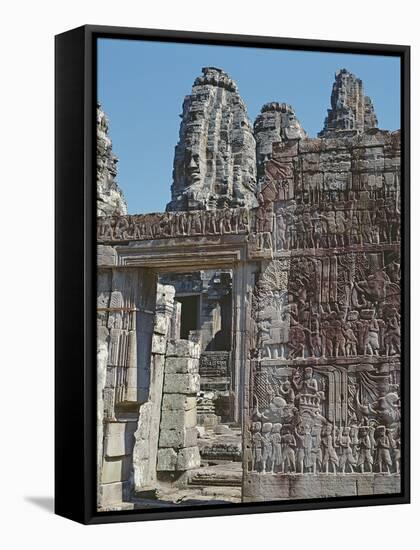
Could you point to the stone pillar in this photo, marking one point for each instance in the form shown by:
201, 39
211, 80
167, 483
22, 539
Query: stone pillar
124, 297
178, 450
147, 433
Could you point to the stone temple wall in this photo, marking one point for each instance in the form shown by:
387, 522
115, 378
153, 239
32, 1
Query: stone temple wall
326, 367
310, 229
125, 328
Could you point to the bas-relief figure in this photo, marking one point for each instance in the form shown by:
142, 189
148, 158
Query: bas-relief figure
319, 220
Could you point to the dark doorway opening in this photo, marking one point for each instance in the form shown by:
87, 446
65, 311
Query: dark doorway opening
189, 314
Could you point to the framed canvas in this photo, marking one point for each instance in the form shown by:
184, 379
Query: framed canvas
232, 296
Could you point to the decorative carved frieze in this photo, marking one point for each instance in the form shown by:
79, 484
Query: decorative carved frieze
227, 221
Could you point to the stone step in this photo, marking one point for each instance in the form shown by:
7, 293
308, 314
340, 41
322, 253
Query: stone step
216, 476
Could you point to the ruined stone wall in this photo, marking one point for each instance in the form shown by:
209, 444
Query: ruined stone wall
314, 248
145, 452
326, 360
125, 327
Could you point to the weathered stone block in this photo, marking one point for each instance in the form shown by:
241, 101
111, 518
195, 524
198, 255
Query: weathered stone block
114, 493
167, 460
183, 348
159, 344
295, 486
386, 484
181, 365
177, 419
161, 324
106, 256
116, 469
119, 438
188, 459
178, 401
182, 383
185, 437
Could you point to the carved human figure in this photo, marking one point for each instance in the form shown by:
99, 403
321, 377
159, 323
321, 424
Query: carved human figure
267, 446
379, 221
383, 453
340, 220
316, 227
331, 226
354, 439
346, 456
308, 227
214, 226
315, 339
281, 228
392, 337
365, 225
256, 446
122, 228
365, 450
327, 337
350, 339
316, 451
290, 224
329, 455
395, 440
297, 341
393, 222
338, 338
108, 228
299, 227
277, 456
371, 342
289, 445
306, 384
303, 448
243, 219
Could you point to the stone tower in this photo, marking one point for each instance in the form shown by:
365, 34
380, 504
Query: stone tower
214, 163
350, 109
277, 123
110, 198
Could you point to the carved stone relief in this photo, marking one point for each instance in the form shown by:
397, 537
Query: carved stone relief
314, 300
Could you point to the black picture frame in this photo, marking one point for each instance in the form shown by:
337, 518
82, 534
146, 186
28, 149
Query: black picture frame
75, 269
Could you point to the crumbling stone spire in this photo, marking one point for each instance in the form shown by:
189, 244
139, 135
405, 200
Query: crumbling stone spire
350, 109
110, 198
277, 123
214, 164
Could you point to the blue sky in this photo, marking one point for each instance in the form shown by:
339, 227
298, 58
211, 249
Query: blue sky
141, 86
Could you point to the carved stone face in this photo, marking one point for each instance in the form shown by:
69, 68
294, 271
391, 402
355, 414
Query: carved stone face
292, 128
192, 167
214, 161
308, 373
